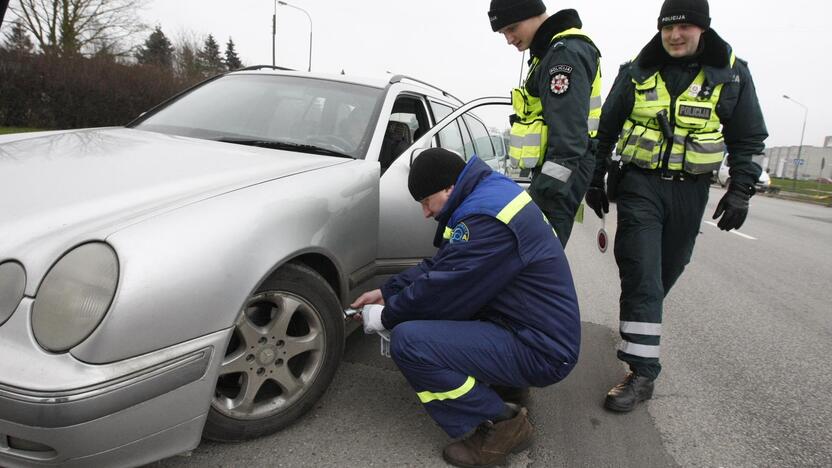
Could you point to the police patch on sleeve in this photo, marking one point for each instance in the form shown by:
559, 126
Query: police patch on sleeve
460, 234
559, 76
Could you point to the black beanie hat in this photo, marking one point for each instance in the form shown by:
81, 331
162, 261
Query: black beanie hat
434, 170
685, 11
505, 12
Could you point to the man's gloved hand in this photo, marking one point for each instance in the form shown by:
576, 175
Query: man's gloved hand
371, 315
733, 207
596, 198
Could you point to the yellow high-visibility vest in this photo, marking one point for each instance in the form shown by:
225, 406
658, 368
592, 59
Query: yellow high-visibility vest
698, 145
529, 132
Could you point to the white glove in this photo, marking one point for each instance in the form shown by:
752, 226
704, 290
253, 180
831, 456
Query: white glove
371, 315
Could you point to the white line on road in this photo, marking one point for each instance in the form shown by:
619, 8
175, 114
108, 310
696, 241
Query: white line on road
733, 231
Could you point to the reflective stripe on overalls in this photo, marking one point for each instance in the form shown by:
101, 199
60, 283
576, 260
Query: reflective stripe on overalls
506, 214
529, 132
698, 145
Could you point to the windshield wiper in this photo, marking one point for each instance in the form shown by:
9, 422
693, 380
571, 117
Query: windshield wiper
284, 145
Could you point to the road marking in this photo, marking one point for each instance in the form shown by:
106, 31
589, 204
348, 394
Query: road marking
733, 231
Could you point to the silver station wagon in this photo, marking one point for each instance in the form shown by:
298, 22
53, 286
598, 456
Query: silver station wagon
185, 276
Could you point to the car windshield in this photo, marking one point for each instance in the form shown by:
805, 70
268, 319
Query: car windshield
273, 111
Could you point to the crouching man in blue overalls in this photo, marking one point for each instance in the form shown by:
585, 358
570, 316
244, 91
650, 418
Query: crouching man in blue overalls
496, 305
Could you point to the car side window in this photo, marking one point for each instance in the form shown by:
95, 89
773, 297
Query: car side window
408, 121
450, 138
466, 139
440, 111
482, 141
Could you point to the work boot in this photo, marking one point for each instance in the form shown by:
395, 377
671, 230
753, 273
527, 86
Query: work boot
517, 395
491, 442
633, 389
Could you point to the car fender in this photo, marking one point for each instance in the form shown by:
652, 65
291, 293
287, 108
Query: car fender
188, 272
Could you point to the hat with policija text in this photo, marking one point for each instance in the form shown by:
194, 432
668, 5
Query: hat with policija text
434, 170
685, 11
505, 12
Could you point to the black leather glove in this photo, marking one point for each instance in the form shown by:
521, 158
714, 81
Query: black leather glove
733, 207
596, 198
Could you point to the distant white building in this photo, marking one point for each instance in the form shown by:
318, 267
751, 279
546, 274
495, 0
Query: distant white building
779, 161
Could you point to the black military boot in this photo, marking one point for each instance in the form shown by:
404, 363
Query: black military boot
633, 389
491, 442
517, 395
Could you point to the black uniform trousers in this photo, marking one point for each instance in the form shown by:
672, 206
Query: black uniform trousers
658, 221
561, 209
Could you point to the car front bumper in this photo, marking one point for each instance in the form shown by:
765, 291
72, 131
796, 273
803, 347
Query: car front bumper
125, 413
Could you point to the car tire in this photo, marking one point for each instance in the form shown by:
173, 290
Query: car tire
286, 346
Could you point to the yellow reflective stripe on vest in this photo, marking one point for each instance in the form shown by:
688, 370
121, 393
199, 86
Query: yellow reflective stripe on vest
523, 152
427, 397
510, 211
697, 146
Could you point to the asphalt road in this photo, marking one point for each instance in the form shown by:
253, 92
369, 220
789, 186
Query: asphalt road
746, 379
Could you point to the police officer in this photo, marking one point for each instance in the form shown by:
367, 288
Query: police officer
558, 107
673, 111
495, 305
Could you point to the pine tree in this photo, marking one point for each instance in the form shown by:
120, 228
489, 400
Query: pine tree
210, 56
232, 60
17, 40
157, 50
189, 65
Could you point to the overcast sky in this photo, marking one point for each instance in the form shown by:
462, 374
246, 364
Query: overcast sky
450, 44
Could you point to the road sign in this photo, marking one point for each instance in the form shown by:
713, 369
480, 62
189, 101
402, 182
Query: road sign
799, 162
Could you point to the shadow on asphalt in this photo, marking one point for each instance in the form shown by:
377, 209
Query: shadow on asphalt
371, 417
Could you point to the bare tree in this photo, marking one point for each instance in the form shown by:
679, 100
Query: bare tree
17, 40
187, 63
71, 27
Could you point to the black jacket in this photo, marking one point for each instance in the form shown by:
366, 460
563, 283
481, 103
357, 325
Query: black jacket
565, 113
738, 108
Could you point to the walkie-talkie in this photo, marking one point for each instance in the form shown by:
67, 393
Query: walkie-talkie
664, 124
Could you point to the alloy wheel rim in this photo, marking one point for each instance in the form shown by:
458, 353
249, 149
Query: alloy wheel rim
276, 351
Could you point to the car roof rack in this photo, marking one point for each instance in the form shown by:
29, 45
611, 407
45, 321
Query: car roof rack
399, 78
260, 67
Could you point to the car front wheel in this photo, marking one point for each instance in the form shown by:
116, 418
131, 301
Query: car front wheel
284, 351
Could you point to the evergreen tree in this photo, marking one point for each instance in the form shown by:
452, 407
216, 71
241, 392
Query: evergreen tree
232, 60
17, 40
189, 65
157, 50
210, 56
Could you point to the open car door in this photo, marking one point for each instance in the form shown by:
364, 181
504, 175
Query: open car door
480, 128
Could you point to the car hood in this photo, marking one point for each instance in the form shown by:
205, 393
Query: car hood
67, 187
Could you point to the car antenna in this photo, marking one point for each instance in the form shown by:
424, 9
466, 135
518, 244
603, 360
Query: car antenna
522, 62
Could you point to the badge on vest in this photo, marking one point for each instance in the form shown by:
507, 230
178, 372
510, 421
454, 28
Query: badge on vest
695, 112
559, 79
460, 234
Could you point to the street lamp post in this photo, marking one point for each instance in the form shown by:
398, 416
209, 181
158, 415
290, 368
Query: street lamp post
274, 34
802, 132
310, 27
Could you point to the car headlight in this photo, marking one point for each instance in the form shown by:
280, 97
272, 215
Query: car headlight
12, 284
74, 296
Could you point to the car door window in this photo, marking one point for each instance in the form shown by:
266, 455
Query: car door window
481, 139
440, 111
408, 121
468, 145
450, 138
